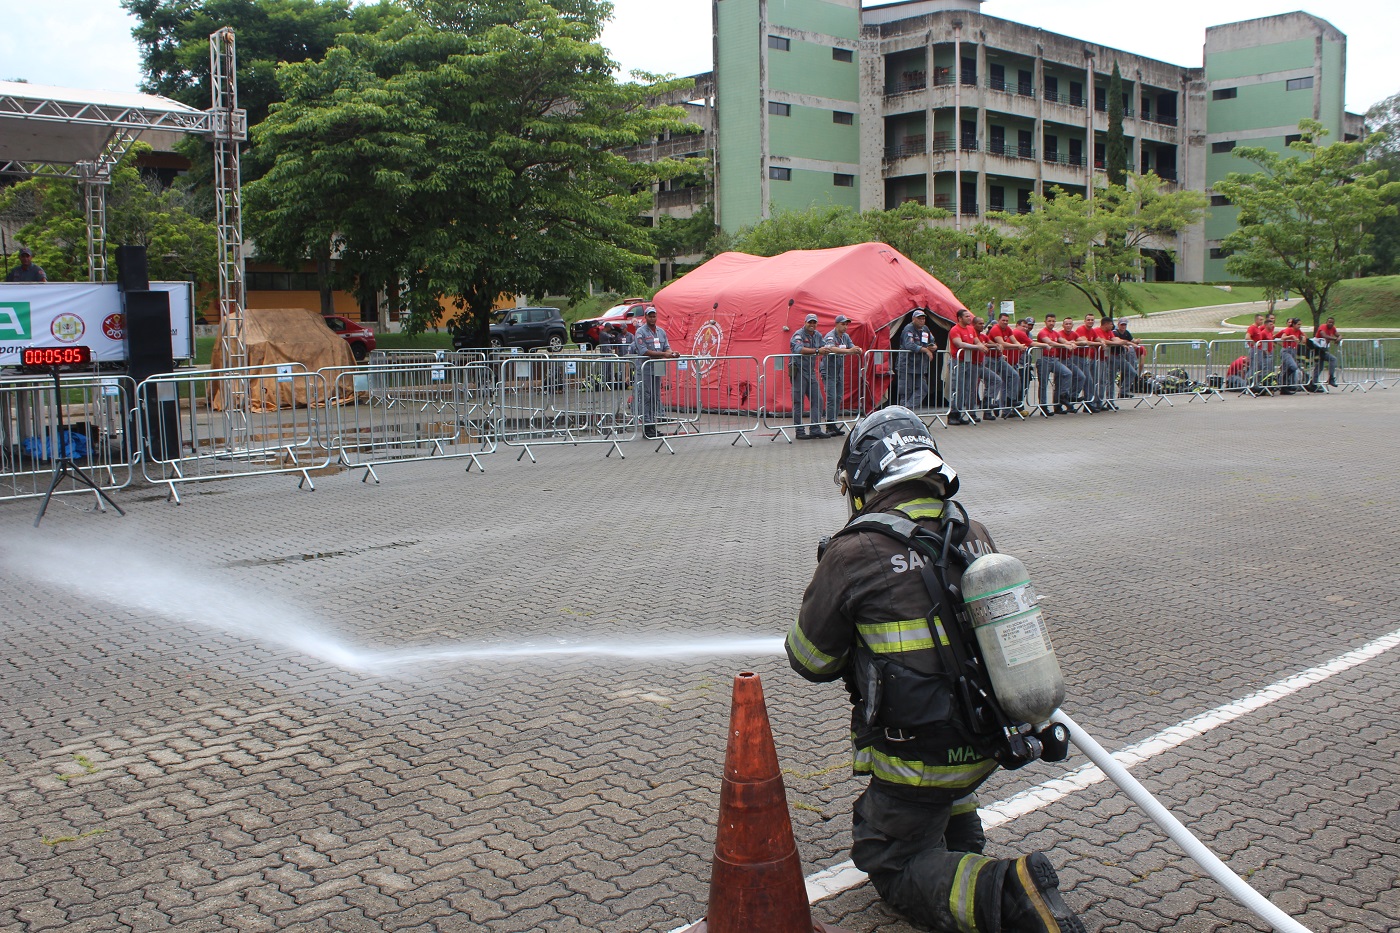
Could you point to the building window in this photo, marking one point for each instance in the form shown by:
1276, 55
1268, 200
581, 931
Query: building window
1225, 93
843, 55
845, 119
1295, 138
1219, 200
779, 110
1299, 84
1226, 146
779, 43
280, 281
779, 174
1218, 253
843, 181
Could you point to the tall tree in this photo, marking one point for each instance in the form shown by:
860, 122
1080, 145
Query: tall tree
1384, 118
1095, 246
464, 152
173, 36
1116, 154
1304, 218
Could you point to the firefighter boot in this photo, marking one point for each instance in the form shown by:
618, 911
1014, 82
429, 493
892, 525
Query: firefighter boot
1031, 901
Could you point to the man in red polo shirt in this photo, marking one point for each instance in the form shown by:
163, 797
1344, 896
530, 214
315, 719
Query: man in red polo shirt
1290, 376
962, 349
1091, 356
1235, 375
1325, 339
1259, 361
1001, 345
1052, 363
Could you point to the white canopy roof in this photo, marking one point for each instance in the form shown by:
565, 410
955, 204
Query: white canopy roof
52, 130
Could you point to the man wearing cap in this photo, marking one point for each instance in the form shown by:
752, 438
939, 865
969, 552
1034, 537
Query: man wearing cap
26, 271
839, 347
651, 344
919, 355
806, 346
1127, 348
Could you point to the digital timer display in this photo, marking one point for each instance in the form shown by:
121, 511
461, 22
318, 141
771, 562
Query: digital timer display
55, 356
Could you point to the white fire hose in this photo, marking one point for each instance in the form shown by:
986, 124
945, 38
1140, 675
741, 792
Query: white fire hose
1194, 848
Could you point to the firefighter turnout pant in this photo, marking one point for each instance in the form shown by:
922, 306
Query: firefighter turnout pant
925, 859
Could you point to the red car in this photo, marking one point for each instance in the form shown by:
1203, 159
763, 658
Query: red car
360, 338
629, 314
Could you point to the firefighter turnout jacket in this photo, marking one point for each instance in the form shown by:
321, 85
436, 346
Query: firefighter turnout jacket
868, 588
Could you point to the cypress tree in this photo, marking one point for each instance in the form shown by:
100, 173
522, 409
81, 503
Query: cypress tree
1116, 154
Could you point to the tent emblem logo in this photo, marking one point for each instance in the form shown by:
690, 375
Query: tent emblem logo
707, 346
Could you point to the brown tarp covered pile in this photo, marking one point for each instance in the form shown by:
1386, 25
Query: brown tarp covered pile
282, 335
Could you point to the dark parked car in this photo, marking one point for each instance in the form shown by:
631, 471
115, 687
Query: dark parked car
528, 328
360, 338
628, 314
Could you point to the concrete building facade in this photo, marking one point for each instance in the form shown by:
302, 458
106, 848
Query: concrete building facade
824, 102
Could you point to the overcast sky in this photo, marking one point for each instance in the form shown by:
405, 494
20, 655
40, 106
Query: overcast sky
87, 43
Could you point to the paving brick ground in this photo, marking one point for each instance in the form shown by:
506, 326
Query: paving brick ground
176, 752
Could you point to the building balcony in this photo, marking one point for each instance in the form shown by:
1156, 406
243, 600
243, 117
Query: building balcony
944, 76
943, 142
1011, 151
909, 146
683, 197
674, 148
907, 83
1069, 100
1011, 87
1059, 158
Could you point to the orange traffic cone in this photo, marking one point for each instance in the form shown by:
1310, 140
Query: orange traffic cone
756, 883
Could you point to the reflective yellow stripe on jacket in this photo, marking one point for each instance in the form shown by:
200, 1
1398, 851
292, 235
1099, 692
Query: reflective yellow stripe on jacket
894, 637
922, 508
809, 655
915, 773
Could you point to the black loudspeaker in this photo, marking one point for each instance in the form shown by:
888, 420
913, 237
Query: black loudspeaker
148, 354
132, 275
148, 350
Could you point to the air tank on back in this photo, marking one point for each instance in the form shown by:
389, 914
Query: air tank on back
1015, 645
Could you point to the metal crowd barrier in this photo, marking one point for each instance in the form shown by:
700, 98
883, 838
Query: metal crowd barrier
1360, 364
98, 435
784, 376
251, 421
552, 399
905, 377
409, 411
398, 357
707, 396
1390, 361
1180, 368
983, 385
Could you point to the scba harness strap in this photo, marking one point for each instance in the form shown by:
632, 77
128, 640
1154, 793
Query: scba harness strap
904, 702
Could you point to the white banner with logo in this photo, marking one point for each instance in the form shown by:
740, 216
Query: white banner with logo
83, 314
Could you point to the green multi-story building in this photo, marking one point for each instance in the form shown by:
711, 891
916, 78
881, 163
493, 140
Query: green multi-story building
826, 102
1262, 77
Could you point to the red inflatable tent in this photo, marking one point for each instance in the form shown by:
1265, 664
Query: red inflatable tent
742, 305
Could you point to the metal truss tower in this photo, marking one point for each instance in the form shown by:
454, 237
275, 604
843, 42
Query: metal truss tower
229, 128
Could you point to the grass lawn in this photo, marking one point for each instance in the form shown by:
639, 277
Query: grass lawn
1356, 304
1060, 299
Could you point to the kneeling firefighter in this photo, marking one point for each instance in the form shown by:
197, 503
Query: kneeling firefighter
885, 613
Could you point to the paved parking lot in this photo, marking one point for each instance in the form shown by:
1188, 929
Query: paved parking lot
363, 708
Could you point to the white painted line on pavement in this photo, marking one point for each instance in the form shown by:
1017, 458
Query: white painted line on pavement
843, 876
